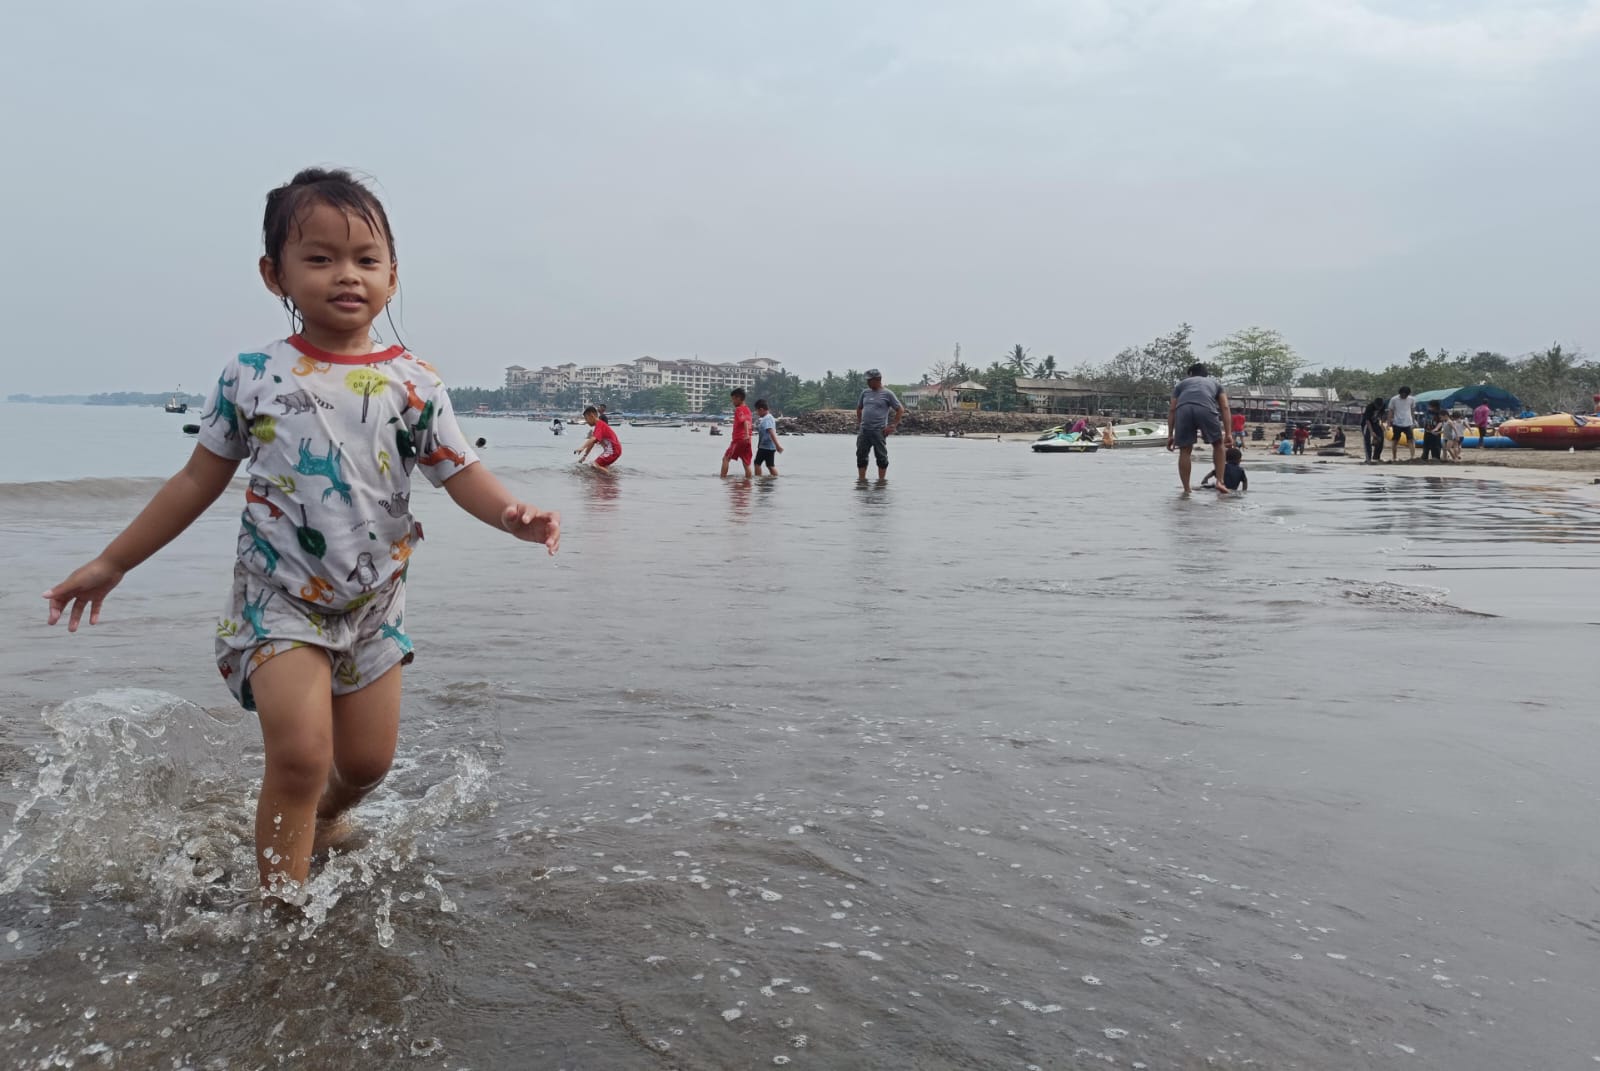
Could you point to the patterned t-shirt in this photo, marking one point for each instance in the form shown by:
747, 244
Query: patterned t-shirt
331, 441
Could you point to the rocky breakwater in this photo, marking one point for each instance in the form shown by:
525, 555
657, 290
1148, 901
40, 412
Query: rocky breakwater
923, 422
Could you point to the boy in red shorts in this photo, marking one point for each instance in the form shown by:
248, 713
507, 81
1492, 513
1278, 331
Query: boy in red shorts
603, 437
739, 447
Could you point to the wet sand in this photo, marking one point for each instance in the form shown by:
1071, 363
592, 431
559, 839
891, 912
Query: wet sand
1551, 468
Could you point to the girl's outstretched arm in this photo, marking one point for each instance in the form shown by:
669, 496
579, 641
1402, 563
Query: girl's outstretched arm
175, 507
479, 492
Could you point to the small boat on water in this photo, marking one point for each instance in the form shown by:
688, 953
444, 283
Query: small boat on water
655, 423
1141, 433
716, 429
1110, 436
1555, 431
1066, 442
176, 404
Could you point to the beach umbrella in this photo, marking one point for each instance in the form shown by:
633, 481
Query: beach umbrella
311, 541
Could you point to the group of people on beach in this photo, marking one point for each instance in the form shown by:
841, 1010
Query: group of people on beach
878, 414
1443, 433
1199, 411
762, 427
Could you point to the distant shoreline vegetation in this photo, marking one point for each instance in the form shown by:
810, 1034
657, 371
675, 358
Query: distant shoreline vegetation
1555, 379
122, 397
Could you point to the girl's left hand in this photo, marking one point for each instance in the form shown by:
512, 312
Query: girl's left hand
533, 525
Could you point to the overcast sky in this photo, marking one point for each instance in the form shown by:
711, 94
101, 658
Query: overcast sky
833, 183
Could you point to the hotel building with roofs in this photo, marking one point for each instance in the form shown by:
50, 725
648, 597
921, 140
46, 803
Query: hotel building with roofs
600, 381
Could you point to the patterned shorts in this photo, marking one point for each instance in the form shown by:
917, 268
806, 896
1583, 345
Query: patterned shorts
262, 621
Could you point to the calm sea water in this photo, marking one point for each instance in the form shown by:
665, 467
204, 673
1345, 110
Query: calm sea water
1013, 762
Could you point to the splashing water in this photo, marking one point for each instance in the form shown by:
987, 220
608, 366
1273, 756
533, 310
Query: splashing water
148, 799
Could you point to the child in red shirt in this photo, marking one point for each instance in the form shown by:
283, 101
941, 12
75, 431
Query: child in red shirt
743, 424
603, 437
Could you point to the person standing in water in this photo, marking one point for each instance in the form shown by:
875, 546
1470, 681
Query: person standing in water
739, 439
874, 424
601, 435
1199, 410
767, 445
312, 636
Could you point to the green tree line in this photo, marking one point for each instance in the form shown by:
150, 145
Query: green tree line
1555, 378
1550, 380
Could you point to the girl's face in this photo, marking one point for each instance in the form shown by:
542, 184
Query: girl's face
338, 273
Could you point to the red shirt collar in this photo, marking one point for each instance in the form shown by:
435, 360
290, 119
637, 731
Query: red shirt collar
376, 357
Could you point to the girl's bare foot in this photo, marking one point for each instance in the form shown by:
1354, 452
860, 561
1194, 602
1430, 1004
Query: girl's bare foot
332, 834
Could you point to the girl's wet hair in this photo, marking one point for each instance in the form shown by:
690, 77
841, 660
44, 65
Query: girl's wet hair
287, 205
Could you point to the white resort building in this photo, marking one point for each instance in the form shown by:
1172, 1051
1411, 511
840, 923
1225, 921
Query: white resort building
600, 381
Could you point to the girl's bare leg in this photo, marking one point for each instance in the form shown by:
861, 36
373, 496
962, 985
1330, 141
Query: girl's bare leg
366, 725
294, 702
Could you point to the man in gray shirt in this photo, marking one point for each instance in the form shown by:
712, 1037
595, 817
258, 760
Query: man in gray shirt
1199, 410
874, 422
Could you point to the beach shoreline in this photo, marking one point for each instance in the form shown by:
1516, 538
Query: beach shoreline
1525, 468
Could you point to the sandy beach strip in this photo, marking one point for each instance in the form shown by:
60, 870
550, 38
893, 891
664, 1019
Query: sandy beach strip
1555, 469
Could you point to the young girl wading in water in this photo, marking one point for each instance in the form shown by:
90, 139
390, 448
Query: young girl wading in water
312, 637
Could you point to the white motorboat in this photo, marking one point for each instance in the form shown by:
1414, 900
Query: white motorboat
1139, 433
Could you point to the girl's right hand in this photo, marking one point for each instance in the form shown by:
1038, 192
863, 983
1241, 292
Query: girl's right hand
88, 587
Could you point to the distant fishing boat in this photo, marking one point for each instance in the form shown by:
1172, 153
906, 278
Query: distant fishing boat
655, 423
176, 404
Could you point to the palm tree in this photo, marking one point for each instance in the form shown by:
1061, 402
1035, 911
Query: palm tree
1018, 359
1046, 369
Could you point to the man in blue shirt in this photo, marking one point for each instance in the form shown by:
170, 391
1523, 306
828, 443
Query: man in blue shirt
875, 424
767, 445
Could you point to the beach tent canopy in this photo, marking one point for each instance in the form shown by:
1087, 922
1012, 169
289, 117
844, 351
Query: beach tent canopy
1470, 397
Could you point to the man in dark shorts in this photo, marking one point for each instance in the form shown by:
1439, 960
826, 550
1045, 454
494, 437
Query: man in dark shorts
767, 445
875, 424
1402, 423
1199, 410
1372, 429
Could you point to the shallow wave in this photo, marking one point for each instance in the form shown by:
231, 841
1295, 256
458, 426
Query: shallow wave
91, 489
1400, 598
